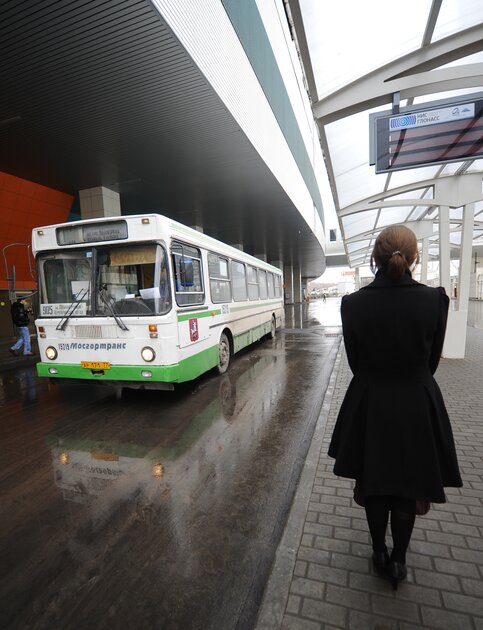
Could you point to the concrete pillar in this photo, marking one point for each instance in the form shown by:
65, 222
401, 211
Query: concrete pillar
288, 284
198, 228
424, 260
278, 264
465, 257
237, 246
444, 249
357, 279
261, 257
464, 190
99, 202
297, 286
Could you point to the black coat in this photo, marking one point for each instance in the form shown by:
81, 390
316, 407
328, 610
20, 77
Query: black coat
393, 434
20, 316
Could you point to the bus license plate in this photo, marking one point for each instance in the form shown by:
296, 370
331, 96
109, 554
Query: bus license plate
96, 365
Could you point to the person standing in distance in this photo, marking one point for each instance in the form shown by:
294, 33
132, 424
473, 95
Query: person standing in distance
20, 318
393, 434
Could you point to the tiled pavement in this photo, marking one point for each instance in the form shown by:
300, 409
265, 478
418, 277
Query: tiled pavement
322, 577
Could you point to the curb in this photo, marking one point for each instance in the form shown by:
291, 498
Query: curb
274, 600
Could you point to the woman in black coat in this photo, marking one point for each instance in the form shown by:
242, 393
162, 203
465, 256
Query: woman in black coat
393, 434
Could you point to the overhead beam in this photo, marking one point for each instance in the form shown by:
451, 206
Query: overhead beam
377, 87
431, 23
379, 199
374, 93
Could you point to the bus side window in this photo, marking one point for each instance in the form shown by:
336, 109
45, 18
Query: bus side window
271, 286
262, 281
238, 281
187, 274
278, 291
252, 280
220, 286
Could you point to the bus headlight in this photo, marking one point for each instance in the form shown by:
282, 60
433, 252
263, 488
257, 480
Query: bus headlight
51, 353
148, 354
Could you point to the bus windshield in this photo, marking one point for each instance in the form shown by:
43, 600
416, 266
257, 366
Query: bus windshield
120, 279
134, 280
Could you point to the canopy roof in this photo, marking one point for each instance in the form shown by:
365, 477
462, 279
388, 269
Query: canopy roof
362, 58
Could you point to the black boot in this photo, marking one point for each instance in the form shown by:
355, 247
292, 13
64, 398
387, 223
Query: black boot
396, 571
380, 560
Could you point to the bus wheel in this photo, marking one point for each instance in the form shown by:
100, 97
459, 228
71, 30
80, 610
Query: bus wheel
223, 354
273, 328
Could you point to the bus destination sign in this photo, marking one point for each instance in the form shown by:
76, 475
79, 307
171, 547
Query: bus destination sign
94, 233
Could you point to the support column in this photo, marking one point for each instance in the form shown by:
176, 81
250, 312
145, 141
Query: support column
288, 284
465, 257
463, 190
261, 257
278, 264
424, 260
99, 202
357, 279
444, 250
297, 286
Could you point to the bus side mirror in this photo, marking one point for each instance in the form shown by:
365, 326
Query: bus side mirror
186, 273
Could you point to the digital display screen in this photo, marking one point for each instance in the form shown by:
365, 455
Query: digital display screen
430, 136
93, 233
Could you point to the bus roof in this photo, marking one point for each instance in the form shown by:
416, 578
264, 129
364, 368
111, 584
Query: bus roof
140, 228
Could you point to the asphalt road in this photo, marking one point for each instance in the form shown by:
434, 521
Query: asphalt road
163, 509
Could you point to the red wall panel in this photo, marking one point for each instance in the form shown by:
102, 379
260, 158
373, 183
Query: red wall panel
23, 206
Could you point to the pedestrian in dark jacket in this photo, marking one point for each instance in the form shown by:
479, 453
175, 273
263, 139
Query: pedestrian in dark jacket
20, 318
393, 434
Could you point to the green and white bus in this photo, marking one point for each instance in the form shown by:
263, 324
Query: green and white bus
145, 302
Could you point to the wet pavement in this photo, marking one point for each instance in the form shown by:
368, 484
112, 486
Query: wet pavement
163, 509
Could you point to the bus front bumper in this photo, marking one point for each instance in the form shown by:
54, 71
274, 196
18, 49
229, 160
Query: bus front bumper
146, 373
185, 370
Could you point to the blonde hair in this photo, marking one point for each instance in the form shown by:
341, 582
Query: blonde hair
395, 251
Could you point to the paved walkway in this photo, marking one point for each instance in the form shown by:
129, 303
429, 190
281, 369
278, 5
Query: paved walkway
322, 576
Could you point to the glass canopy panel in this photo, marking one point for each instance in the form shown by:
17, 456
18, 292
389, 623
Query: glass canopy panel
456, 213
457, 15
476, 167
439, 96
422, 193
349, 155
359, 223
334, 51
353, 247
390, 216
347, 139
413, 175
455, 238
357, 261
450, 169
418, 213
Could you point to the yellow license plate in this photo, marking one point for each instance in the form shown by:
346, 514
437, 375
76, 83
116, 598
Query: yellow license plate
96, 365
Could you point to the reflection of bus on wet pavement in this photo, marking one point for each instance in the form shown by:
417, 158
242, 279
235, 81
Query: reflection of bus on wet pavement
146, 302
170, 448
